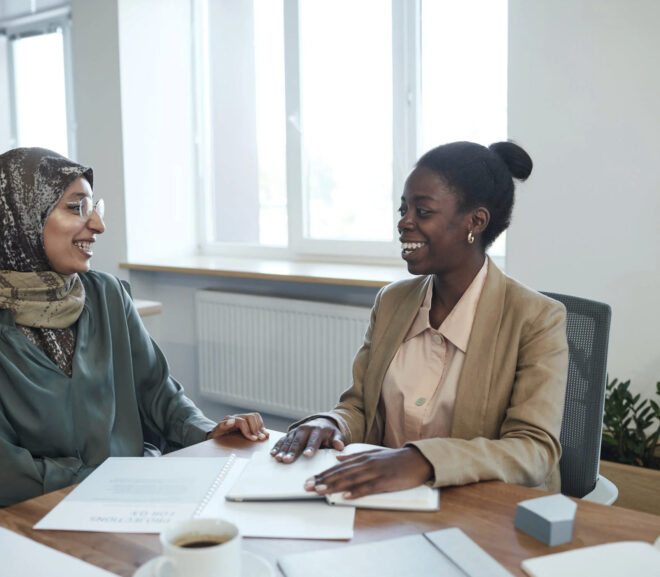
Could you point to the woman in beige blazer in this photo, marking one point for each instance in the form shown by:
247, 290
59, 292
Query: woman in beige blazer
510, 384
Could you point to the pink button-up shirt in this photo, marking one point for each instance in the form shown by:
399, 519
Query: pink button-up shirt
419, 389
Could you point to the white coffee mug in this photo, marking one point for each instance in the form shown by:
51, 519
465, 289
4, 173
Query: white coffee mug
199, 548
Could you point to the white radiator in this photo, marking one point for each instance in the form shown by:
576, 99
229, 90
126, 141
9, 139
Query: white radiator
282, 356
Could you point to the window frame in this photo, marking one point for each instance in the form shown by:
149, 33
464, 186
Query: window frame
35, 24
406, 139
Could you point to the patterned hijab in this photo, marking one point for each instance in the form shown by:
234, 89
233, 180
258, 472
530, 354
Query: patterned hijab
46, 304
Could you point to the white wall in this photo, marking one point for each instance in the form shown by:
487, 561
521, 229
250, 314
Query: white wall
157, 124
132, 78
95, 45
233, 118
584, 94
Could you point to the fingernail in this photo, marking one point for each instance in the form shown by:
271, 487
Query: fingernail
319, 488
308, 451
261, 436
229, 422
280, 455
309, 484
253, 437
346, 495
289, 456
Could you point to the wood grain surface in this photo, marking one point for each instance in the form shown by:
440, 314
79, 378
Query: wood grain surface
484, 511
639, 488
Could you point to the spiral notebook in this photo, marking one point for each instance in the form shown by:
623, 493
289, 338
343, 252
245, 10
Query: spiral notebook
139, 494
143, 495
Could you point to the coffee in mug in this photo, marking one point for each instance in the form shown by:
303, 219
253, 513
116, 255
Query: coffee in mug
200, 541
199, 548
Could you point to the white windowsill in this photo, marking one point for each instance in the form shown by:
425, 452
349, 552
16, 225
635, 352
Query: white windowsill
364, 275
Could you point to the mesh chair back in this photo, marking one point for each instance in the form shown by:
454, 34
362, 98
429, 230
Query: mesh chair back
588, 331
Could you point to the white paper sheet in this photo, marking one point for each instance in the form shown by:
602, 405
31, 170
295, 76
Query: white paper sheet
23, 557
137, 494
629, 558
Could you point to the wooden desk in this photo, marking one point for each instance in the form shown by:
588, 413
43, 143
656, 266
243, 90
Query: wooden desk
484, 511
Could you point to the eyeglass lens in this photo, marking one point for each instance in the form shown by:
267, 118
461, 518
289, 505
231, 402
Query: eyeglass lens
87, 205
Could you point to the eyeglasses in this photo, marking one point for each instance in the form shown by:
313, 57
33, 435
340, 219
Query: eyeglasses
86, 206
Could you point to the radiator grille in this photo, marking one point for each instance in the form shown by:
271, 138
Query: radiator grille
282, 356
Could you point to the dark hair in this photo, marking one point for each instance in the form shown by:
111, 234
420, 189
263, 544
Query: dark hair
481, 176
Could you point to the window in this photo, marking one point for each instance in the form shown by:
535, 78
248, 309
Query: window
313, 112
39, 87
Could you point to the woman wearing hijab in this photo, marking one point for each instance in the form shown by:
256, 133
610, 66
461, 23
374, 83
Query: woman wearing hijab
462, 373
80, 378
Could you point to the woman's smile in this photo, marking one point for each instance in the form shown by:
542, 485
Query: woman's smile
85, 246
410, 247
68, 237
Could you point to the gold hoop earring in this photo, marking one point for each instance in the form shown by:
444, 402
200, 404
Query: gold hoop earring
470, 238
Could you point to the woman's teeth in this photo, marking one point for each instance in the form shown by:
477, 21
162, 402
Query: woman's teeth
408, 247
86, 246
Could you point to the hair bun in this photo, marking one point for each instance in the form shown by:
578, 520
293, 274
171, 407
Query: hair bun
515, 157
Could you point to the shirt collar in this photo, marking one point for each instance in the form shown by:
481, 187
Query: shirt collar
458, 324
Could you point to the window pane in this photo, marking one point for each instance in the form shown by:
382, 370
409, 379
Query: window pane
40, 94
346, 111
246, 93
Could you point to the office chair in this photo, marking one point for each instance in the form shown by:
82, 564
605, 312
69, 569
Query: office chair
588, 331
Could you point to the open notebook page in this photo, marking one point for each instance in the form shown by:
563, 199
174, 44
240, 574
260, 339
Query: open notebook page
280, 519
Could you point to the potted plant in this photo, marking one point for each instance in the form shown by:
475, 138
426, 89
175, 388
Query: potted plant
629, 450
631, 427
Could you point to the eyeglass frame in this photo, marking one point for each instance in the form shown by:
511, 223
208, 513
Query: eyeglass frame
86, 206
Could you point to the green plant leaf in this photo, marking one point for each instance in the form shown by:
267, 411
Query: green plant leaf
631, 426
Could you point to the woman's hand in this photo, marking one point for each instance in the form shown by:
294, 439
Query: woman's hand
307, 439
250, 425
377, 471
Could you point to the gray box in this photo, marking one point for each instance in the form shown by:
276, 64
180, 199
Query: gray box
549, 519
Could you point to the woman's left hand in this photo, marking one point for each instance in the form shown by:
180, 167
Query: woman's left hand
250, 425
377, 471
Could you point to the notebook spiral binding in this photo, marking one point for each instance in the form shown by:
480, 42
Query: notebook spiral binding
215, 485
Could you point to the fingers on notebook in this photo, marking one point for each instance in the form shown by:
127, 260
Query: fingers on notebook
306, 439
338, 441
353, 478
293, 445
377, 471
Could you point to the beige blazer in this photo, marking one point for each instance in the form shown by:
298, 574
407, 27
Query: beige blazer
510, 396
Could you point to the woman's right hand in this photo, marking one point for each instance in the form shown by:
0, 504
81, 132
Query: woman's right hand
307, 438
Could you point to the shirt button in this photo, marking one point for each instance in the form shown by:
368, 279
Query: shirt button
437, 339
419, 402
